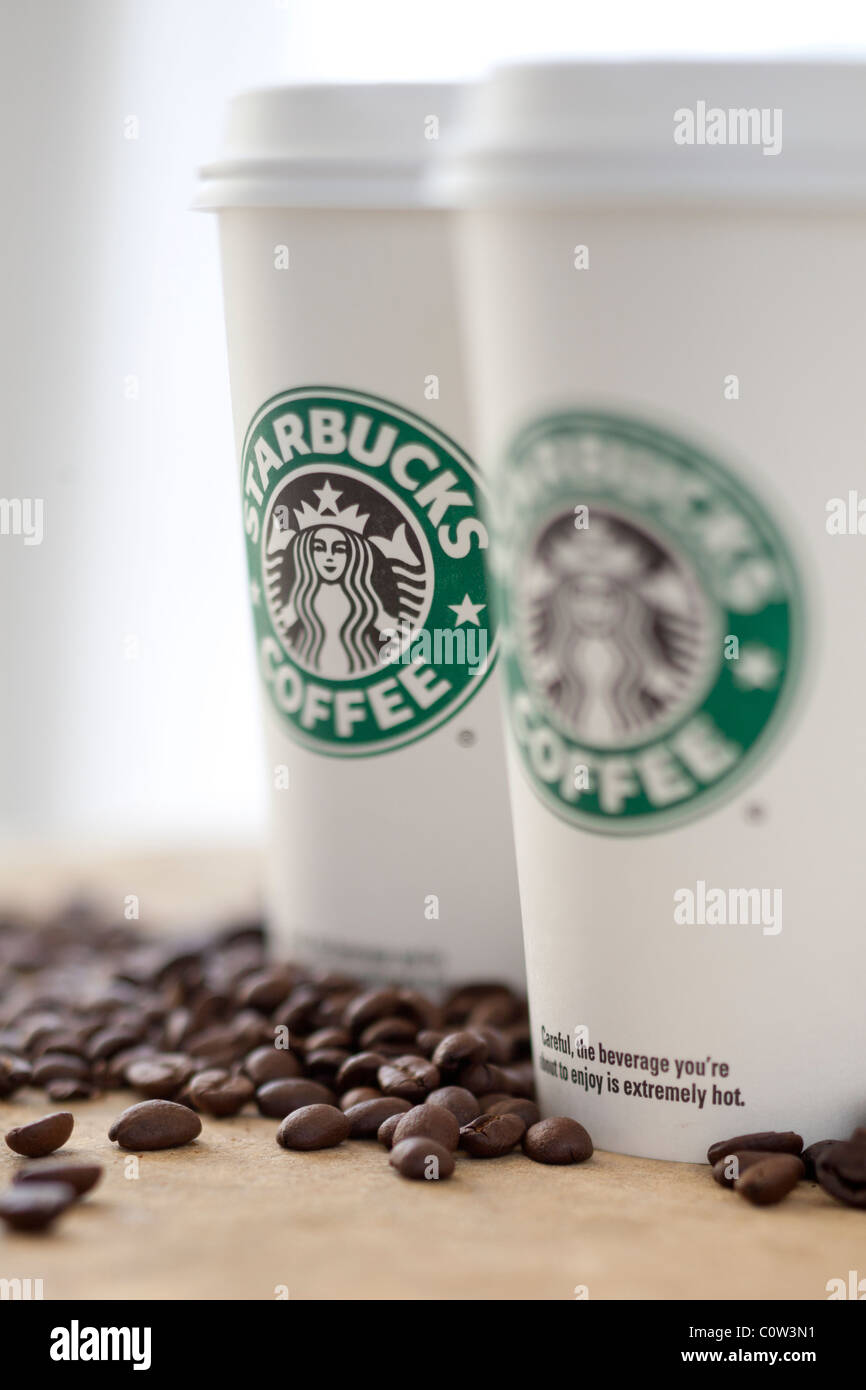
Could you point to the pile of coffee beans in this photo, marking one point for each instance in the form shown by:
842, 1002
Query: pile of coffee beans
208, 1025
765, 1167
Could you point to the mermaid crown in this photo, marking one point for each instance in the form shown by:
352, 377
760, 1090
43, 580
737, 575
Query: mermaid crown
326, 514
594, 553
329, 514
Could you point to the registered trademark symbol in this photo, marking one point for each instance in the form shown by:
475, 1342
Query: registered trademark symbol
755, 814
467, 738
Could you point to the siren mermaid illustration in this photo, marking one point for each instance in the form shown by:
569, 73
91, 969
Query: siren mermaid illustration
338, 594
618, 635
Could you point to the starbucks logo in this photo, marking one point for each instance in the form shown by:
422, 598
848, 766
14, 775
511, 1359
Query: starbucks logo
365, 546
651, 618
618, 634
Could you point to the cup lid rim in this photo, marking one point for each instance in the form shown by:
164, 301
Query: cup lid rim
560, 130
328, 144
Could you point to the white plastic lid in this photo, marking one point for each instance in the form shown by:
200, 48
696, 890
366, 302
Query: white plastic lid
326, 146
559, 132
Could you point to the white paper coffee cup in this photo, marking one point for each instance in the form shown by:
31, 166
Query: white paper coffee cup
662, 267
391, 855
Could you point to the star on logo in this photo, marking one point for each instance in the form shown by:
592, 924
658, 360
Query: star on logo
327, 497
255, 593
757, 668
467, 611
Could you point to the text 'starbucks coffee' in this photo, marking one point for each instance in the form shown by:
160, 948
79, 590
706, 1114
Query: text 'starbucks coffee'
664, 320
365, 535
370, 605
624, 607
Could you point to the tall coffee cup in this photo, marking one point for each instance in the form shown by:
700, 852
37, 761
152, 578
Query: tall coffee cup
662, 272
391, 852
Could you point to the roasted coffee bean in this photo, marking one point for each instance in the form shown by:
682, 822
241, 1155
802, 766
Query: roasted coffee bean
69, 1042
220, 1093
366, 1117
390, 1050
520, 1081
518, 1040
335, 982
178, 961
62, 1091
557, 1140
460, 1003
419, 1008
328, 1038
271, 1064
490, 1136
14, 1073
265, 989
394, 1030
361, 1069
498, 1049
841, 1171
37, 1026
80, 1176
385, 1132
431, 1122
408, 1076
34, 1206
458, 1050
483, 1077
324, 1064
422, 1158
250, 1029
772, 1141
59, 1066
114, 1068
727, 1170
495, 1010
159, 1077
357, 1094
857, 1136
368, 1006
41, 1137
516, 1105
314, 1127
767, 1182
277, 1099
155, 1124
109, 1040
297, 1011
428, 1040
811, 1155
462, 1104
179, 1025
218, 1046
329, 1014
246, 934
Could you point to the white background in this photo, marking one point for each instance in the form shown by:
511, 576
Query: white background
127, 702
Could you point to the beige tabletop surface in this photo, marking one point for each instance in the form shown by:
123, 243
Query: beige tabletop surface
233, 1216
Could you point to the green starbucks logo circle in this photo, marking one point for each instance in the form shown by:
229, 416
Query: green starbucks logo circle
651, 618
365, 548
